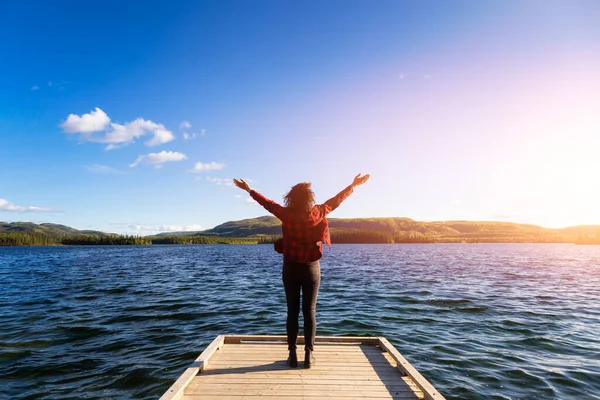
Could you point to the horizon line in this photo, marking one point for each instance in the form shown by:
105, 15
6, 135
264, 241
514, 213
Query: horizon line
333, 218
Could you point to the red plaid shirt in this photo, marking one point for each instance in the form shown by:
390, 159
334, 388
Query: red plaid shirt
303, 234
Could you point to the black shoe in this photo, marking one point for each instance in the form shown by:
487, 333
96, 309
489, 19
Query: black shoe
293, 359
309, 359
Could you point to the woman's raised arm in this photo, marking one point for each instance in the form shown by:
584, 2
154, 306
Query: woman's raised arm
269, 205
335, 201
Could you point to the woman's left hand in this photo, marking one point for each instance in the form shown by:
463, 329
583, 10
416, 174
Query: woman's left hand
242, 184
359, 180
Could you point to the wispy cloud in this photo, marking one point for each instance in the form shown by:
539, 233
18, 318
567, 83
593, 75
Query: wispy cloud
96, 127
50, 85
113, 146
210, 166
166, 228
6, 205
102, 169
250, 200
220, 181
150, 229
57, 85
185, 127
158, 159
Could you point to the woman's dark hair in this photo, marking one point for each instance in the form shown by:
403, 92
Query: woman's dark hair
300, 198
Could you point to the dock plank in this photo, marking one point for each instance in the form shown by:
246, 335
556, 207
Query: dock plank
285, 397
255, 367
259, 370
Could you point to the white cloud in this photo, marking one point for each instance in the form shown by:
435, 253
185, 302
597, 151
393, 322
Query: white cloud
161, 135
34, 88
149, 228
113, 146
95, 121
159, 158
211, 166
130, 131
203, 132
220, 181
238, 196
6, 205
185, 126
250, 200
101, 169
137, 228
116, 135
188, 136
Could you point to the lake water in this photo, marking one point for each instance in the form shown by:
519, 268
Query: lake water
493, 321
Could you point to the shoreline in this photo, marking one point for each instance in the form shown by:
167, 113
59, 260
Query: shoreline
267, 229
254, 244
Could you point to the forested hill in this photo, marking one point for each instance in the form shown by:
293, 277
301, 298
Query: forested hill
30, 234
47, 229
343, 230
403, 230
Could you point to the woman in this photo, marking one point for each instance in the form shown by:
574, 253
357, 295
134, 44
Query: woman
304, 226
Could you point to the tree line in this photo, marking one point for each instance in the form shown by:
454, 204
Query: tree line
26, 239
356, 236
212, 239
41, 239
109, 240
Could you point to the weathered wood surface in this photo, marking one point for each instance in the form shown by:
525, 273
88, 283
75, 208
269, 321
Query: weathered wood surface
230, 339
255, 367
403, 365
175, 392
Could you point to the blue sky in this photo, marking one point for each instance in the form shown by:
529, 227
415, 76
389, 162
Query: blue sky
125, 117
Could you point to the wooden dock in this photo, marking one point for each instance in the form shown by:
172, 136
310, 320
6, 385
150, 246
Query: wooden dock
235, 367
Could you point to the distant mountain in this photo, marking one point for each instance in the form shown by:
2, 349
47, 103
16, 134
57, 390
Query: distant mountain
351, 230
54, 230
406, 229
247, 227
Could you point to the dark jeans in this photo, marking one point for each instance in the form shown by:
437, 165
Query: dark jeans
305, 278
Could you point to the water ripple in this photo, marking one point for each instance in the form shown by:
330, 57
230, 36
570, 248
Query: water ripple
479, 321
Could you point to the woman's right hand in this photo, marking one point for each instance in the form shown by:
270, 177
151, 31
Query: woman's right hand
242, 184
359, 180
